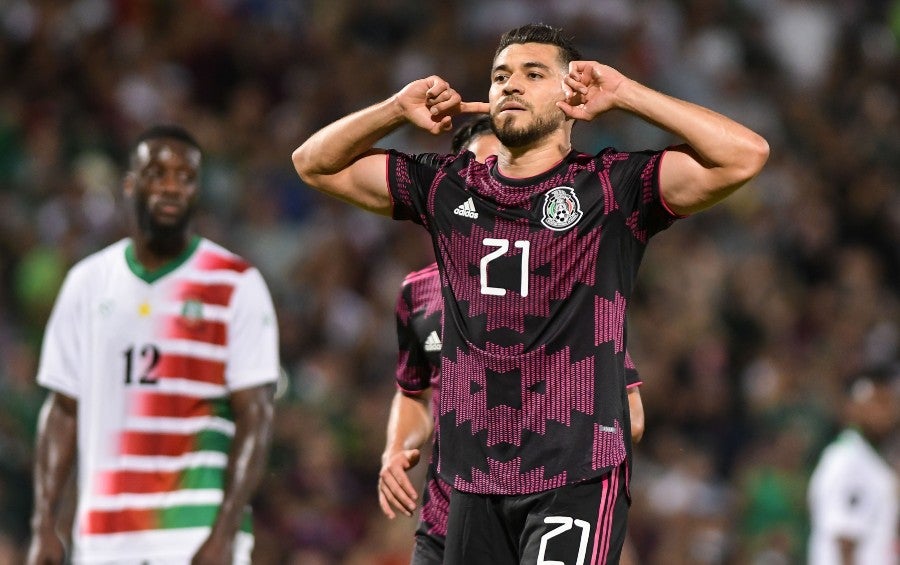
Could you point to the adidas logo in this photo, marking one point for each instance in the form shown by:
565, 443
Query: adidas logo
466, 210
432, 342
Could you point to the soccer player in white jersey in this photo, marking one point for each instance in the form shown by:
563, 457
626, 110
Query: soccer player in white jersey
160, 357
853, 493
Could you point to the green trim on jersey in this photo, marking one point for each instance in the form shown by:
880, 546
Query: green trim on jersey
151, 277
202, 478
212, 440
193, 516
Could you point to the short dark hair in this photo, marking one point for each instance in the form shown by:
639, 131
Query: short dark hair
541, 33
163, 131
879, 375
472, 129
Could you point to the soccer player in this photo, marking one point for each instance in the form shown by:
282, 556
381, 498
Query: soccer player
537, 250
853, 493
410, 424
160, 356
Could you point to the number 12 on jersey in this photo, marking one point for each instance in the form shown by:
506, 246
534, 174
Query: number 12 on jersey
149, 357
502, 246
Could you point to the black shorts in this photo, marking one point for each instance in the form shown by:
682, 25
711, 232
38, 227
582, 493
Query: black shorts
579, 524
429, 548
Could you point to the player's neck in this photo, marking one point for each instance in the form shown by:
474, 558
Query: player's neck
529, 161
155, 253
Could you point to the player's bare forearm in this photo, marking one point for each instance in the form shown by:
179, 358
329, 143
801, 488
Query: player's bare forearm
334, 147
410, 422
254, 412
340, 159
54, 460
410, 425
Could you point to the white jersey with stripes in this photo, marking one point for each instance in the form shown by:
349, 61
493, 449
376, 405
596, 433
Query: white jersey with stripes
151, 358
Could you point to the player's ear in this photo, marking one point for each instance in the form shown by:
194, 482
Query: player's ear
128, 184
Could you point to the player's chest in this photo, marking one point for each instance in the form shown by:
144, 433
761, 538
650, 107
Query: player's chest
555, 208
132, 311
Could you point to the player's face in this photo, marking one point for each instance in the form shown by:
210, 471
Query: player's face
484, 146
165, 185
526, 83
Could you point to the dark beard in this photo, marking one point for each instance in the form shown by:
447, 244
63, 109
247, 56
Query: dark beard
511, 136
164, 240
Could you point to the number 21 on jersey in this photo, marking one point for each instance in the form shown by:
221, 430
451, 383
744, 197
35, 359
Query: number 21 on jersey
502, 247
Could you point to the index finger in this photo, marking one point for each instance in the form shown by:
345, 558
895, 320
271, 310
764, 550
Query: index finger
474, 107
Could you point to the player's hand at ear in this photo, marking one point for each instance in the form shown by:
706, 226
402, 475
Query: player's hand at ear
431, 103
590, 89
395, 490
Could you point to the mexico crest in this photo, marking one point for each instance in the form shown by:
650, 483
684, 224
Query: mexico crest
561, 209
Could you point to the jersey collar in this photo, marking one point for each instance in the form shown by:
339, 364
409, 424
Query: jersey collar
148, 276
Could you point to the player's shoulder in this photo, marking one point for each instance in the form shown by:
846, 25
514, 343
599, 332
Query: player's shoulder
212, 256
432, 160
96, 263
427, 276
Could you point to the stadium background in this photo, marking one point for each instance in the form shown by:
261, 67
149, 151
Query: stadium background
746, 319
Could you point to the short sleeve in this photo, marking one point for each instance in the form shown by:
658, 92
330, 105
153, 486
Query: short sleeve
413, 368
253, 335
409, 180
635, 178
632, 377
62, 351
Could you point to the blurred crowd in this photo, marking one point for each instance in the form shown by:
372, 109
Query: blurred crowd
746, 320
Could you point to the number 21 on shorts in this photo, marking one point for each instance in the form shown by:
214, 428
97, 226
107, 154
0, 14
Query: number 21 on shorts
565, 524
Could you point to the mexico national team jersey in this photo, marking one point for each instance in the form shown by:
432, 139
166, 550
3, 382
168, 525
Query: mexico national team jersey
151, 359
536, 275
419, 328
419, 314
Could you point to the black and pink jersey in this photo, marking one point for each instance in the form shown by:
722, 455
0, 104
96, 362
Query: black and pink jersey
535, 275
419, 312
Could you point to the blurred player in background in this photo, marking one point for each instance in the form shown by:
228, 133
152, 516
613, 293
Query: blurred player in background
853, 493
538, 250
415, 406
160, 357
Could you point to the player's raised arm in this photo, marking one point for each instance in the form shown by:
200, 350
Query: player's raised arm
340, 159
719, 156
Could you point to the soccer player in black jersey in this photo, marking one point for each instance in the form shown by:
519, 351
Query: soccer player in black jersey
537, 249
419, 314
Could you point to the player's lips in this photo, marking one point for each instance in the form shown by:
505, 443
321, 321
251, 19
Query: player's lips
169, 208
512, 105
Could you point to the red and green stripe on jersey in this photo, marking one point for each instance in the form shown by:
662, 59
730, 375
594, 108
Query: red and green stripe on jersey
140, 519
171, 455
